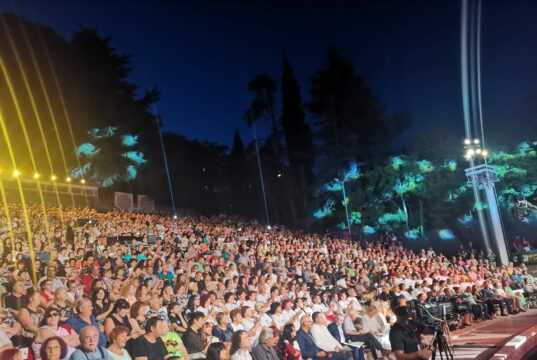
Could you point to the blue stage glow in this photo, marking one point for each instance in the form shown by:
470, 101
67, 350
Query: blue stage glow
352, 173
466, 219
131, 172
109, 181
106, 148
135, 156
129, 140
413, 234
326, 210
446, 234
87, 149
480, 206
107, 132
425, 166
369, 230
342, 226
333, 186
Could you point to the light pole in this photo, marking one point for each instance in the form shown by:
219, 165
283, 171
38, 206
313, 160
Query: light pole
482, 177
345, 203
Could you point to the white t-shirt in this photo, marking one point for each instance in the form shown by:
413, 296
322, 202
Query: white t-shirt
125, 355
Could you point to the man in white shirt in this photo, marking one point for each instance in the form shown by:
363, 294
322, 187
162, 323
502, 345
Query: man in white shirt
323, 339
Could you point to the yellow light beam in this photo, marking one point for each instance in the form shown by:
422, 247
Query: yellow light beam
7, 214
21, 194
63, 105
35, 111
50, 110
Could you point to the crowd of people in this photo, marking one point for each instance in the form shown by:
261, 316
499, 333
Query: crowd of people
83, 285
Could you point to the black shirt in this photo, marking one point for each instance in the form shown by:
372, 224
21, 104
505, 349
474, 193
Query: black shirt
404, 337
193, 341
141, 347
16, 303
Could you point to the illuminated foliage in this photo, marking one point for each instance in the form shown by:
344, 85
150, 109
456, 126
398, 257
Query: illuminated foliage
397, 162
356, 218
326, 210
425, 166
413, 234
106, 161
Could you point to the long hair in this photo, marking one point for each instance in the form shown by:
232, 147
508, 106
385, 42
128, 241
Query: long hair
286, 336
236, 341
213, 352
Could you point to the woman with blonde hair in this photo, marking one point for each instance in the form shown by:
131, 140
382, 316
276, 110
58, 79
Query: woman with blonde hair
128, 292
115, 290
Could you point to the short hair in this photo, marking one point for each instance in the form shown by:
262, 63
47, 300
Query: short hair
219, 316
233, 313
151, 322
195, 316
117, 331
43, 349
266, 333
304, 318
80, 303
315, 315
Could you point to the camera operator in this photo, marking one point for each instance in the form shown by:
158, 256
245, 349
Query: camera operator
405, 338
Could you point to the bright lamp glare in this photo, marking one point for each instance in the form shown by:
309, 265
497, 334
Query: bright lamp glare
68, 179
36, 176
82, 181
16, 173
484, 153
467, 141
476, 141
53, 178
478, 151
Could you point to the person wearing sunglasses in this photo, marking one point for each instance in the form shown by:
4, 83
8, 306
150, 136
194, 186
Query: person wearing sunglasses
50, 327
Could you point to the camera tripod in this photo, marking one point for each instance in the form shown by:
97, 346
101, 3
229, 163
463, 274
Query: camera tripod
440, 345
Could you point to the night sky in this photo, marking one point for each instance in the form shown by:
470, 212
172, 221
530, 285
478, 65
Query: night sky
201, 54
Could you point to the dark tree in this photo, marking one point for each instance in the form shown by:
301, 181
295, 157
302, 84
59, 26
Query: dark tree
350, 123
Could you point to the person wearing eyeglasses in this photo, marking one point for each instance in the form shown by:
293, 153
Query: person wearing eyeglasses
50, 327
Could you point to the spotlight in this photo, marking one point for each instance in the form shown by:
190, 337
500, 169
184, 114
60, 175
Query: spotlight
36, 176
16, 173
68, 179
484, 153
478, 151
476, 141
82, 181
175, 217
269, 227
467, 142
53, 178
